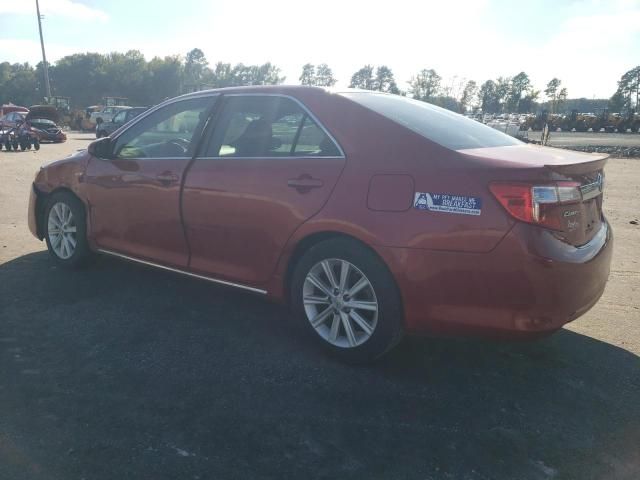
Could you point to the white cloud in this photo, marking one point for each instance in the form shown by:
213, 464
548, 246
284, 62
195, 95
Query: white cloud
62, 8
592, 42
22, 50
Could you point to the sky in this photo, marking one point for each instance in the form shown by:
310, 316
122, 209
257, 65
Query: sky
587, 44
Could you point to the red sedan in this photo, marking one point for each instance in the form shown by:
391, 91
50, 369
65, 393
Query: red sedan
372, 215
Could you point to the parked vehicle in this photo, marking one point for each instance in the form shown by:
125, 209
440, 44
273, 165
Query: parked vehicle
10, 107
41, 121
12, 119
13, 133
105, 115
107, 128
372, 215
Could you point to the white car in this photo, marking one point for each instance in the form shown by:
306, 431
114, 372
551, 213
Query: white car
105, 115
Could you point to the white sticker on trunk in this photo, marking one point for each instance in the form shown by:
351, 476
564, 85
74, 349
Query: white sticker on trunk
448, 203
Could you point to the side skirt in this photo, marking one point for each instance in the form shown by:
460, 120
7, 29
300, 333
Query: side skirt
176, 270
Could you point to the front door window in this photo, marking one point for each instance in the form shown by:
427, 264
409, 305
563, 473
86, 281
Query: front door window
170, 132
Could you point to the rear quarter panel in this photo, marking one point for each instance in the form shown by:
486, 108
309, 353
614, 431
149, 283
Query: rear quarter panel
374, 146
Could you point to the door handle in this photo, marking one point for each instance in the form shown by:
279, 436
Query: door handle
304, 183
167, 177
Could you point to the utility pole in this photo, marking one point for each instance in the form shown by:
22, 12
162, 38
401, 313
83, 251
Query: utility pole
45, 66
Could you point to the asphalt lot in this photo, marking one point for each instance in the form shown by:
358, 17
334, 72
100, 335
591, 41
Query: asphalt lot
122, 372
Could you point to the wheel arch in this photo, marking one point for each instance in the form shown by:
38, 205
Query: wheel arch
309, 241
41, 205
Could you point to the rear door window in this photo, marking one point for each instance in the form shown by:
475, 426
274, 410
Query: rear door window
434, 123
255, 126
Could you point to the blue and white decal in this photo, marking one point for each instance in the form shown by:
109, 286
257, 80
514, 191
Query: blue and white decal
447, 203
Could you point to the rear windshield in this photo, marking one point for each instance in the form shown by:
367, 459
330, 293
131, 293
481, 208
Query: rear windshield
43, 121
434, 123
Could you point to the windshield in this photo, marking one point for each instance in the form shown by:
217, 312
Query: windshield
42, 121
434, 123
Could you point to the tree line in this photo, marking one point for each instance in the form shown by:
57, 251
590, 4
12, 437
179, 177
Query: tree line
88, 77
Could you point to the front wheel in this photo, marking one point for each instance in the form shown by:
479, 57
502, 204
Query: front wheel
66, 230
348, 300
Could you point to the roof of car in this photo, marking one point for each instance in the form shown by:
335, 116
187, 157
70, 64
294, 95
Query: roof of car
282, 89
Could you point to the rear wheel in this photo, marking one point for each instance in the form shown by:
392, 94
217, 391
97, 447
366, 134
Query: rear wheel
347, 300
65, 230
36, 144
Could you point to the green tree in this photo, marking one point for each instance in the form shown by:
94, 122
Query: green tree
488, 97
528, 102
562, 98
628, 93
617, 102
308, 76
222, 75
83, 77
503, 90
384, 80
425, 85
195, 68
468, 94
127, 75
19, 85
363, 78
552, 90
324, 76
520, 85
164, 79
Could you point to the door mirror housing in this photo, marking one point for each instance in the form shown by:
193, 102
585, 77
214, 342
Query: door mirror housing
101, 148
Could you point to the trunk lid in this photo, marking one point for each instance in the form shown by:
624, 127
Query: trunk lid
579, 179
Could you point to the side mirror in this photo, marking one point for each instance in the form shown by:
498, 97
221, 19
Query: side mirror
101, 148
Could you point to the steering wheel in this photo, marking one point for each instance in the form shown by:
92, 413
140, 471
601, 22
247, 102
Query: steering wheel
180, 143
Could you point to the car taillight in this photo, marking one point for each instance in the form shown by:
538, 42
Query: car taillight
536, 203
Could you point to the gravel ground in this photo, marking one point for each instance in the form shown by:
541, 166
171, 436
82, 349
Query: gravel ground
122, 372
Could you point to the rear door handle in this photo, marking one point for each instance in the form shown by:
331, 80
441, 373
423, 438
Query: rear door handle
304, 182
167, 177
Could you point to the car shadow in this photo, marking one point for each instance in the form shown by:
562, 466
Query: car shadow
120, 371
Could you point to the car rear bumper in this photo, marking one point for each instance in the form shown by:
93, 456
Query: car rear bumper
531, 283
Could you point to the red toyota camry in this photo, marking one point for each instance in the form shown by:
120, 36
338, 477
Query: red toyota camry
372, 215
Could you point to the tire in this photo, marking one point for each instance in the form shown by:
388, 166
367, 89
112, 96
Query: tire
56, 215
382, 329
36, 144
16, 145
23, 146
7, 145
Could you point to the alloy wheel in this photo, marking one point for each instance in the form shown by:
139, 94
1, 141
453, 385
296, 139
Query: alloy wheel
62, 230
340, 303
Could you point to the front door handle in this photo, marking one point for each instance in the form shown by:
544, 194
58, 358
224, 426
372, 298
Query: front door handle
304, 183
167, 178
